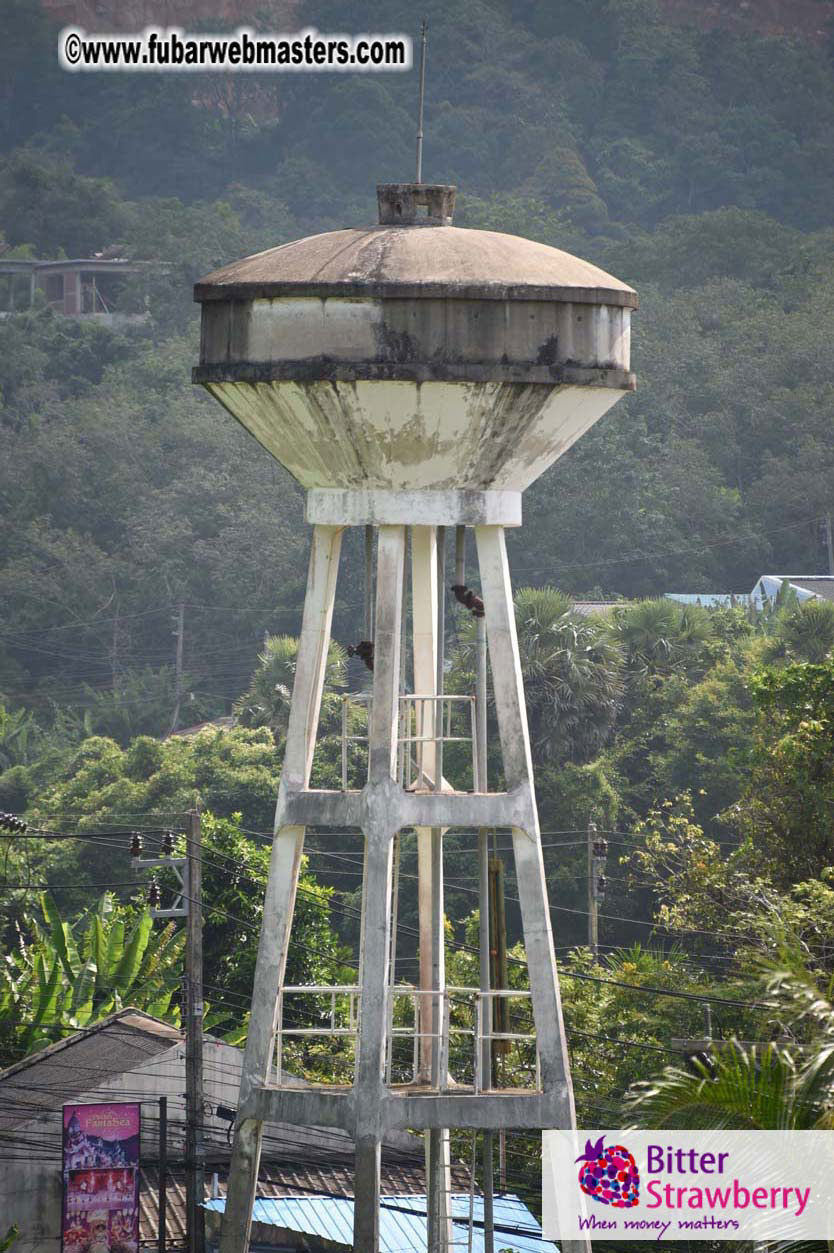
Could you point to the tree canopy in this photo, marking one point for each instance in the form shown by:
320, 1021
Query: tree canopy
696, 165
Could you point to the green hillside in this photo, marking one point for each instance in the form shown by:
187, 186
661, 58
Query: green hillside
697, 166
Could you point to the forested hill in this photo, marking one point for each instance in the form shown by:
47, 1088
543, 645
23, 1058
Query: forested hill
687, 148
696, 164
764, 17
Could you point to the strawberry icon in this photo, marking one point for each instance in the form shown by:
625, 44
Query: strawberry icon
609, 1175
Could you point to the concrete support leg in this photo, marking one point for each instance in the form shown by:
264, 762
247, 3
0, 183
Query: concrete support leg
439, 1199
424, 615
425, 599
380, 828
281, 885
366, 1193
373, 1022
437, 1149
529, 863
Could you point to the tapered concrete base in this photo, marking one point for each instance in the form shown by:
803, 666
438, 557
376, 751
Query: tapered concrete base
381, 810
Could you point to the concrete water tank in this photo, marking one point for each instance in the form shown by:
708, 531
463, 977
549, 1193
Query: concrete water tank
415, 354
411, 376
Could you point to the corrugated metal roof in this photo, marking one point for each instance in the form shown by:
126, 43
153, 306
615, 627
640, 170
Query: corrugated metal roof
821, 585
276, 1180
605, 607
709, 600
402, 1221
57, 1074
805, 586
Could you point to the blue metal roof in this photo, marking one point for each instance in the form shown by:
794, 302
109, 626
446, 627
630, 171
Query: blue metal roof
770, 585
709, 600
402, 1221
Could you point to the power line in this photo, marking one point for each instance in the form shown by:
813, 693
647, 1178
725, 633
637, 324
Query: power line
621, 983
648, 990
630, 559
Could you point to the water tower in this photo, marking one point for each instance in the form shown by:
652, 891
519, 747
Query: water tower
411, 376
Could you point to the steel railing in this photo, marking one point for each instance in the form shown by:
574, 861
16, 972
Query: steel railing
340, 1021
416, 713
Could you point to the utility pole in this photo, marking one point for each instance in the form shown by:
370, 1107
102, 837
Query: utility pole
500, 978
162, 1213
180, 632
499, 974
194, 1165
593, 920
829, 543
114, 648
187, 904
597, 854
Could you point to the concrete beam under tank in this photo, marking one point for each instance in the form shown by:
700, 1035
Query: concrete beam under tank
312, 808
409, 1110
493, 1110
337, 507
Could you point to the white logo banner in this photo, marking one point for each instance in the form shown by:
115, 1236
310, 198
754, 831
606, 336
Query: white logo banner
688, 1185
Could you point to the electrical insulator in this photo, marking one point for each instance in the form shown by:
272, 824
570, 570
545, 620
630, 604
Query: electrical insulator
13, 824
600, 848
153, 894
701, 1061
135, 844
601, 885
168, 844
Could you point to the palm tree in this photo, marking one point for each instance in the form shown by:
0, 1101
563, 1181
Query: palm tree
573, 674
769, 1087
807, 631
572, 670
266, 702
659, 636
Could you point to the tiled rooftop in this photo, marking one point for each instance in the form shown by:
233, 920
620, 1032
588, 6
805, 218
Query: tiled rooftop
275, 1181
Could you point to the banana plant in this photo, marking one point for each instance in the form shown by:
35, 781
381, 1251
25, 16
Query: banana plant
63, 975
18, 729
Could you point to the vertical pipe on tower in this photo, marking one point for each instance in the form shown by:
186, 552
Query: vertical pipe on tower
441, 655
460, 555
369, 582
377, 890
482, 785
439, 1164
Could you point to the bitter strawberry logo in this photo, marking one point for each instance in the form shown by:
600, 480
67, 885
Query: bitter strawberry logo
609, 1175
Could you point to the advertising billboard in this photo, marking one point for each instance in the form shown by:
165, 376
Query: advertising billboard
101, 1178
716, 1185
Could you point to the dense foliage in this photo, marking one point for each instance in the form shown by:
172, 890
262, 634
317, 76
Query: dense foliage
60, 976
697, 166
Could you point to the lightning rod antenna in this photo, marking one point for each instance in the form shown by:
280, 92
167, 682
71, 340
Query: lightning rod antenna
423, 30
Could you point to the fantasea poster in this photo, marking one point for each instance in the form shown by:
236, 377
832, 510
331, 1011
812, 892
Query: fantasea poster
101, 1178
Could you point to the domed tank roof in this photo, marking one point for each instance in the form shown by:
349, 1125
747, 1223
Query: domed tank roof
408, 262
415, 354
